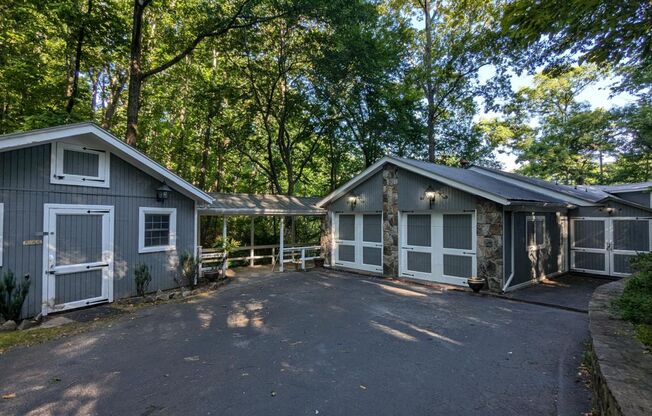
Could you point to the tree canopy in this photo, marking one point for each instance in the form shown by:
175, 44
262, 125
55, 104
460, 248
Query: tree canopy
296, 96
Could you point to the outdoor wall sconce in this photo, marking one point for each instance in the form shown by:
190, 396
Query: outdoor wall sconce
609, 210
163, 192
353, 200
431, 195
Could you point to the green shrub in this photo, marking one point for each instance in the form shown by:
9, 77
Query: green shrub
189, 270
635, 304
11, 302
143, 279
228, 244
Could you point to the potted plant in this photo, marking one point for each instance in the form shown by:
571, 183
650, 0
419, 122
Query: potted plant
319, 262
475, 283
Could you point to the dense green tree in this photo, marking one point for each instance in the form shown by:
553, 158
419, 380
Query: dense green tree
554, 135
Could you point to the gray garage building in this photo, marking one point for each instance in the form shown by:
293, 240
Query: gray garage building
417, 220
79, 210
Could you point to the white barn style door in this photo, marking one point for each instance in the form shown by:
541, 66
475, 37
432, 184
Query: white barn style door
77, 256
438, 247
359, 241
606, 245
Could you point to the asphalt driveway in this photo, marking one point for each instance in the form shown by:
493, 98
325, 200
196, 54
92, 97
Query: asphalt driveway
312, 343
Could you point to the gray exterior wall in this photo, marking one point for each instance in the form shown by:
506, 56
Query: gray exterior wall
412, 186
370, 193
641, 198
622, 210
545, 262
25, 187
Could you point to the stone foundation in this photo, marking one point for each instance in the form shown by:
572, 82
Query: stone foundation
490, 243
326, 237
390, 220
621, 369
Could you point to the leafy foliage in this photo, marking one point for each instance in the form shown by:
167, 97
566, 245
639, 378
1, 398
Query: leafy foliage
143, 278
635, 304
12, 297
189, 270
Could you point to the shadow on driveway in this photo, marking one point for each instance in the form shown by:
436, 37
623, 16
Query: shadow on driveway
312, 343
570, 291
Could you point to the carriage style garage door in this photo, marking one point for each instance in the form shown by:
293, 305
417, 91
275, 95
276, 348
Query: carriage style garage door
605, 245
359, 241
78, 256
438, 247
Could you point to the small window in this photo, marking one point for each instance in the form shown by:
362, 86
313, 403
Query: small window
2, 226
74, 164
157, 229
535, 232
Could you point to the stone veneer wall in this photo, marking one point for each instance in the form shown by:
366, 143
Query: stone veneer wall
390, 220
490, 243
326, 237
621, 368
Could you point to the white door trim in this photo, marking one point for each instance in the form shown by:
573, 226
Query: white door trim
49, 245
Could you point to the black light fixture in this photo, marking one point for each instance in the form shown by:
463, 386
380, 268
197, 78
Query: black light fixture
431, 195
352, 200
163, 192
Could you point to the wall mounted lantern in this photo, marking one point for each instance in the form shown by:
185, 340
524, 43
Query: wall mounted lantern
431, 195
163, 192
609, 210
353, 200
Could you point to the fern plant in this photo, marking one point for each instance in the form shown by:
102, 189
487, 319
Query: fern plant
143, 279
12, 297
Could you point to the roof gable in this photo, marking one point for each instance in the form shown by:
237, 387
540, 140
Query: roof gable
119, 148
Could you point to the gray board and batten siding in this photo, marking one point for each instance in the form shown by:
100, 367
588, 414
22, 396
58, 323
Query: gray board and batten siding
640, 198
369, 197
24, 189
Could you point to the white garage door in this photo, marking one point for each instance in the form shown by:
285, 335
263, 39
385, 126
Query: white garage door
359, 241
438, 247
606, 245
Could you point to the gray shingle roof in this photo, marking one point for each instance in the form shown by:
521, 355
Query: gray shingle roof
584, 192
628, 187
487, 183
253, 204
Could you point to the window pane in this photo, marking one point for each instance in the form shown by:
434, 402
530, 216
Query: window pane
346, 229
529, 233
540, 231
372, 228
81, 163
157, 230
458, 232
418, 230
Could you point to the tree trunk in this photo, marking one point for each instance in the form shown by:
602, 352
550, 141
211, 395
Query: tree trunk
73, 76
135, 72
429, 88
116, 87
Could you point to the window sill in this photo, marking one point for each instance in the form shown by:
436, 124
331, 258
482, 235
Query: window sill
156, 249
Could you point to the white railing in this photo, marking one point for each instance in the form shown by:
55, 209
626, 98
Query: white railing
299, 255
208, 257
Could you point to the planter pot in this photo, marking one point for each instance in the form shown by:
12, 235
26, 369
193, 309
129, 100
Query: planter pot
212, 275
319, 262
475, 284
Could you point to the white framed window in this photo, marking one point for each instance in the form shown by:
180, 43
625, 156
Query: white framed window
535, 232
157, 229
76, 164
2, 227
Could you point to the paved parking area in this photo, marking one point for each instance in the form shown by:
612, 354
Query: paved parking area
312, 343
572, 291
